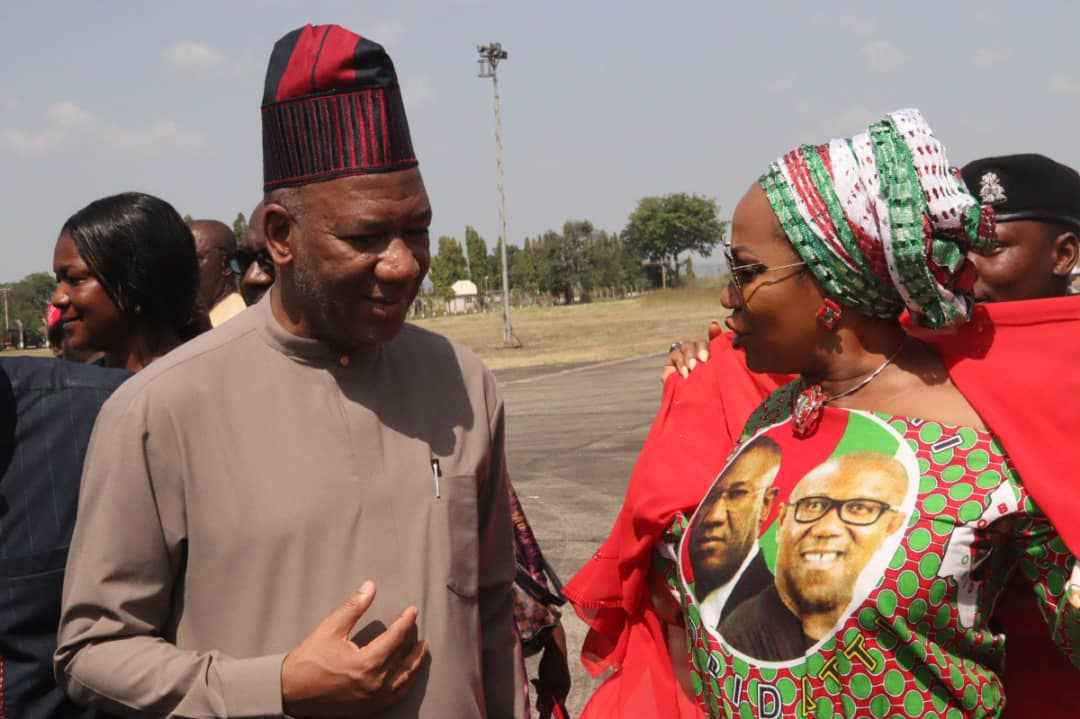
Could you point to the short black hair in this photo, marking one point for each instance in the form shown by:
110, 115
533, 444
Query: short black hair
228, 246
143, 254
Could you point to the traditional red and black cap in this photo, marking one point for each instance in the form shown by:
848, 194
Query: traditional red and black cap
331, 107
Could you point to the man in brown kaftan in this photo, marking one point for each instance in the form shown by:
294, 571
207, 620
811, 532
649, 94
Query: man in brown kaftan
239, 490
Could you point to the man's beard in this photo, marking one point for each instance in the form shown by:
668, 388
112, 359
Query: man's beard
818, 602
315, 299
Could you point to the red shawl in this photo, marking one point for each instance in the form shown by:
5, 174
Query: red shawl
699, 422
1023, 383
1018, 364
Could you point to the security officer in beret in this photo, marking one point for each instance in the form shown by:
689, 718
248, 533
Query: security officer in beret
1037, 202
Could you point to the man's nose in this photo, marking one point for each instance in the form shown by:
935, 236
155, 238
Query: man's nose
728, 297
830, 525
257, 276
397, 263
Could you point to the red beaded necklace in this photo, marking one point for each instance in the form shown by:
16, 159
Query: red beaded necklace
809, 404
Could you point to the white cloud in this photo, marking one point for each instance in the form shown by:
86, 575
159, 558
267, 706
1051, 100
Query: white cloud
418, 93
163, 134
67, 115
26, 143
67, 124
11, 103
192, 56
1064, 85
987, 57
987, 17
819, 119
850, 22
63, 121
883, 56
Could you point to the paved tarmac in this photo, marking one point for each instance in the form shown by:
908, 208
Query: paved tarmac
573, 435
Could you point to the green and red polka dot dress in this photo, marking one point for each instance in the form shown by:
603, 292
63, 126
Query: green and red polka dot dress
911, 636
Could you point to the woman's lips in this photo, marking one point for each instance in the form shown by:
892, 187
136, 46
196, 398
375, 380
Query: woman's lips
740, 335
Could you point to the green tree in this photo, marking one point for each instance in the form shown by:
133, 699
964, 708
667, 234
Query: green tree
494, 262
551, 265
447, 267
689, 276
612, 264
479, 265
28, 299
661, 228
240, 228
527, 267
575, 260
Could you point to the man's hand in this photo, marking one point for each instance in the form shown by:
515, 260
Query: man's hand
684, 358
330, 676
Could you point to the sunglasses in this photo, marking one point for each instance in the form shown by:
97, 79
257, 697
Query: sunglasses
743, 275
243, 259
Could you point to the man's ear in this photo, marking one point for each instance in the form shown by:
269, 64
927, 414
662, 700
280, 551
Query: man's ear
782, 513
1066, 253
226, 269
281, 233
767, 500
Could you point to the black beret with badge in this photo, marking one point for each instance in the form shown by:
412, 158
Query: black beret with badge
1026, 187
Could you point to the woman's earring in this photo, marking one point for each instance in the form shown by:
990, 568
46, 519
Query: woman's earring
829, 315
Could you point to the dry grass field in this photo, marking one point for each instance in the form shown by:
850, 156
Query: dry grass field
40, 352
573, 334
591, 332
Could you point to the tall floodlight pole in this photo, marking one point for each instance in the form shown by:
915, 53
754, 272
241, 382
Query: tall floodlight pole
7, 324
490, 55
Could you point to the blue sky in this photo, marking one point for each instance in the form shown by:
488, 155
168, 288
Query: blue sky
604, 102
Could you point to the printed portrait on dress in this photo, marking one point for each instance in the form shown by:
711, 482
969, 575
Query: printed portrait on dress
794, 535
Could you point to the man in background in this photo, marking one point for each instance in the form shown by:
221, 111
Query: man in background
47, 409
253, 264
1037, 204
215, 246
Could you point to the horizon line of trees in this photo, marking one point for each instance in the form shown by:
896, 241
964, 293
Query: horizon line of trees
572, 264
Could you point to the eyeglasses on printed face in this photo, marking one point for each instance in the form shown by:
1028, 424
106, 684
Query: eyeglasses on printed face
860, 512
742, 275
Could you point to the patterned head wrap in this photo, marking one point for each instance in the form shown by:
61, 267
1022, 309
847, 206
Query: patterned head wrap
883, 221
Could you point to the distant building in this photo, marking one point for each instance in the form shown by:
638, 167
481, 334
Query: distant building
465, 297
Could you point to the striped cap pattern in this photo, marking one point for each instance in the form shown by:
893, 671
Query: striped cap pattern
331, 107
883, 221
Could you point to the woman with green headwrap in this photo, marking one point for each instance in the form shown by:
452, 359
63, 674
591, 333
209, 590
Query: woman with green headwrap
891, 516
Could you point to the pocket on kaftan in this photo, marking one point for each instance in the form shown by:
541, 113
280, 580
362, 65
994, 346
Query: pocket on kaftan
457, 511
